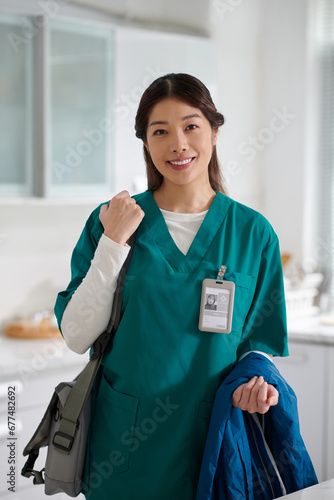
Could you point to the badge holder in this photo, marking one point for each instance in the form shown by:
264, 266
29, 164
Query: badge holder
216, 310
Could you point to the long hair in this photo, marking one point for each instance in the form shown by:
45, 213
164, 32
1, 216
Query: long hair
192, 91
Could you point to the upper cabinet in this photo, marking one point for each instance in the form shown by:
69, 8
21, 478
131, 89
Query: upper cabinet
16, 109
81, 74
69, 91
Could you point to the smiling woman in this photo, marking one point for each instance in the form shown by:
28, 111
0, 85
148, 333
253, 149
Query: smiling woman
153, 405
193, 108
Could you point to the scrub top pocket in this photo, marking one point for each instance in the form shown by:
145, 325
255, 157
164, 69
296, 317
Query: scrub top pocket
114, 421
244, 288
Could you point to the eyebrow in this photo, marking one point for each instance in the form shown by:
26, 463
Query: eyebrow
194, 115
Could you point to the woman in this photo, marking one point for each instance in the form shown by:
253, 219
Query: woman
211, 302
159, 380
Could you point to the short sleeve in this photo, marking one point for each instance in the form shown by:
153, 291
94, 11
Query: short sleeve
265, 327
82, 256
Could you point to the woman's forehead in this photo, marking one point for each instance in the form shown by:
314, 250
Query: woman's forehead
173, 108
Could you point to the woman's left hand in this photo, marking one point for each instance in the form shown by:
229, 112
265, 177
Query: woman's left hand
256, 396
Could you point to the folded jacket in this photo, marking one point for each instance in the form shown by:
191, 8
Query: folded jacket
255, 457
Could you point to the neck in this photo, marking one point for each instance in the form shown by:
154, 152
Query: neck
184, 199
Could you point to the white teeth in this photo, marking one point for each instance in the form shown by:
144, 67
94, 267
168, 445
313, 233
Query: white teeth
183, 162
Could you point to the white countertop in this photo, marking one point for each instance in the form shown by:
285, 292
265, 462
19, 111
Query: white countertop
322, 491
314, 329
21, 356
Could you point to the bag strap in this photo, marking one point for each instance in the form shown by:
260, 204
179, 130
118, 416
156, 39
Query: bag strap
64, 438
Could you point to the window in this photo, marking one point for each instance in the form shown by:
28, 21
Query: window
56, 116
80, 118
16, 114
325, 61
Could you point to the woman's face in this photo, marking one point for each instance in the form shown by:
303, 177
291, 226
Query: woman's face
180, 141
211, 299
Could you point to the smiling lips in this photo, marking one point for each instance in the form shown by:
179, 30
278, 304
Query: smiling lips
181, 164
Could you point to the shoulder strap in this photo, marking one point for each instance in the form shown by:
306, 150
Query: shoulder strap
63, 439
103, 340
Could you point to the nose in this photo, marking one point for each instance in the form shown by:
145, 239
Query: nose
179, 142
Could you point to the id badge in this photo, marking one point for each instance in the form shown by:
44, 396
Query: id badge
216, 309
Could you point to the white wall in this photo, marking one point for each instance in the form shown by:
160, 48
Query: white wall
237, 32
262, 67
284, 162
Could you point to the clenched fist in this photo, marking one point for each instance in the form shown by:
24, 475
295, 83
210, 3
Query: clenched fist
121, 217
255, 396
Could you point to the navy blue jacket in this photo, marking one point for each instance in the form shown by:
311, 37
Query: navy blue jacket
255, 457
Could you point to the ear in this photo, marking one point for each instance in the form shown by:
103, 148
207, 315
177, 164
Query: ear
214, 136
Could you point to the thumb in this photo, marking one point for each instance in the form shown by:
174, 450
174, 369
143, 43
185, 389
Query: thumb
272, 401
273, 395
104, 208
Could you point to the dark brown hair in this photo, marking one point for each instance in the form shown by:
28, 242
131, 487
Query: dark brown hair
189, 89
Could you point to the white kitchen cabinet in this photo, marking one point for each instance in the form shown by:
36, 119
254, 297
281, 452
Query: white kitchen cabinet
310, 372
304, 370
329, 428
34, 380
76, 89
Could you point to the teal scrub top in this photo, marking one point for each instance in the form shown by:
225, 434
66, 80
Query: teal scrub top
155, 395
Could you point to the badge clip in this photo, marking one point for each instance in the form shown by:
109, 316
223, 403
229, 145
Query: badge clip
221, 273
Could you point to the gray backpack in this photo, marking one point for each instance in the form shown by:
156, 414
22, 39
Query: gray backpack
65, 424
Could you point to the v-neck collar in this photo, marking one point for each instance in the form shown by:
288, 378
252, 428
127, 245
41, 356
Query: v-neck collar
202, 241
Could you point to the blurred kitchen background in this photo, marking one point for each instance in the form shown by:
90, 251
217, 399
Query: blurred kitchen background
71, 76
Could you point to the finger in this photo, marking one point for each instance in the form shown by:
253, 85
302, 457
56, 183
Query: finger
262, 403
237, 395
103, 210
254, 395
243, 394
123, 194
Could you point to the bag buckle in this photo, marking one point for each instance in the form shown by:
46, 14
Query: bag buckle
63, 442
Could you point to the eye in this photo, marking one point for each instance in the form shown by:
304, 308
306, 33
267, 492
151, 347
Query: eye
192, 127
159, 132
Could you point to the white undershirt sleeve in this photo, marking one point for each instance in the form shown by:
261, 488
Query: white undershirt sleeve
88, 311
269, 356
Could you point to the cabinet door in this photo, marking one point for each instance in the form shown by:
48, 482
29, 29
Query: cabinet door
304, 370
81, 67
16, 138
329, 433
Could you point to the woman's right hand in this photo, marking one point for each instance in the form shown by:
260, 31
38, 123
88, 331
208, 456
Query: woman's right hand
121, 217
